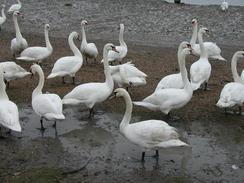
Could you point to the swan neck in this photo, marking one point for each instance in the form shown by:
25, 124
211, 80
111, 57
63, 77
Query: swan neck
83, 34
127, 115
202, 48
109, 80
183, 71
121, 37
3, 94
3, 13
48, 44
17, 30
73, 47
234, 68
194, 35
38, 89
19, 2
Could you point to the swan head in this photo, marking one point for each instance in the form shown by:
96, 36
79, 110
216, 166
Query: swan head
239, 54
186, 51
184, 44
110, 46
194, 22
204, 30
120, 92
17, 13
75, 35
34, 68
84, 22
121, 26
47, 26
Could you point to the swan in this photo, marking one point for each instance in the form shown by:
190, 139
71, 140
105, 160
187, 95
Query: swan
47, 106
150, 134
89, 50
18, 44
127, 74
232, 93
15, 7
68, 65
12, 71
224, 6
9, 114
213, 51
173, 80
3, 17
167, 99
122, 48
242, 75
92, 93
200, 70
38, 54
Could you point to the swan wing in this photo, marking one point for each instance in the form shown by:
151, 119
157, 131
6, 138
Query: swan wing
170, 81
9, 115
34, 53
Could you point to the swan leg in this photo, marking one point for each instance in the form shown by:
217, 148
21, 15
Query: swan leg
91, 113
9, 132
240, 111
205, 86
73, 78
143, 156
42, 127
54, 124
86, 60
95, 60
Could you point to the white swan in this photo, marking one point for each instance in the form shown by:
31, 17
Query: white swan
165, 100
122, 48
127, 75
232, 93
150, 134
38, 54
242, 75
9, 114
13, 71
224, 6
173, 80
68, 65
47, 106
200, 70
15, 7
89, 50
213, 51
92, 93
3, 17
19, 43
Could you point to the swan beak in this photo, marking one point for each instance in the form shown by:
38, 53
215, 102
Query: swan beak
78, 38
114, 49
113, 96
189, 46
32, 75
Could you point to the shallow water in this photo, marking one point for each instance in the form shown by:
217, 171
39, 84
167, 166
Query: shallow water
112, 158
211, 2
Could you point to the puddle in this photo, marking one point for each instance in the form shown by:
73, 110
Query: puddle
78, 140
211, 2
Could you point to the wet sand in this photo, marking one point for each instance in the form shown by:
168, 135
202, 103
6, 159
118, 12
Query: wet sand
216, 139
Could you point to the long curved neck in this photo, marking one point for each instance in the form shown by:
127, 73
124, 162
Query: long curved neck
121, 37
17, 30
109, 80
38, 89
19, 2
73, 47
83, 34
127, 116
234, 69
48, 44
183, 71
3, 14
3, 94
194, 35
202, 48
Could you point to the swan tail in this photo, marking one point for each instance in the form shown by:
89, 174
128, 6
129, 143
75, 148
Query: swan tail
173, 143
25, 59
51, 116
16, 127
225, 103
52, 75
147, 105
219, 57
70, 101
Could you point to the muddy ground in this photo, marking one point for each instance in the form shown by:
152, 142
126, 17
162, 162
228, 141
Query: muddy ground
216, 139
